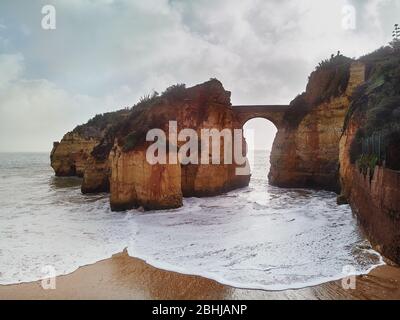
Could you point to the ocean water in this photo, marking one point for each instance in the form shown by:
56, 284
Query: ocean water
259, 237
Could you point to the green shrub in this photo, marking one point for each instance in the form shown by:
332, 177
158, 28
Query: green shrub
335, 61
329, 80
365, 162
176, 91
96, 126
130, 141
376, 103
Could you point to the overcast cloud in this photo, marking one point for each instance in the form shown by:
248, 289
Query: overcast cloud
105, 54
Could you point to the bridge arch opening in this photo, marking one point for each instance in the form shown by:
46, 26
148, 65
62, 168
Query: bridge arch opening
259, 134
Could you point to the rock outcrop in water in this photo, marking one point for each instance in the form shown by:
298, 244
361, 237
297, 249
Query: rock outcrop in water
72, 156
68, 157
116, 158
134, 182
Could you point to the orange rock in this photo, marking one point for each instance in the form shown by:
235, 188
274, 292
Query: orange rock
68, 157
375, 199
307, 154
134, 182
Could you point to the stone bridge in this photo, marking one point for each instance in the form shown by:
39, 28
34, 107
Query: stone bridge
273, 113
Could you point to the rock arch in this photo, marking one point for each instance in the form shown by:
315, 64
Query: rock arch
273, 113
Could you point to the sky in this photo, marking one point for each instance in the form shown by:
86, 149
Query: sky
105, 54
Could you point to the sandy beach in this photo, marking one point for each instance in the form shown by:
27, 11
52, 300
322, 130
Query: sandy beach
124, 277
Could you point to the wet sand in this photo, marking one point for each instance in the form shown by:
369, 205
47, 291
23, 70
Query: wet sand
124, 277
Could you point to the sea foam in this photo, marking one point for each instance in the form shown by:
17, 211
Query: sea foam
258, 237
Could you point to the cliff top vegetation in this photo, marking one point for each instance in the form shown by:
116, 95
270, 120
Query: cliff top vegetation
132, 128
328, 80
377, 105
96, 126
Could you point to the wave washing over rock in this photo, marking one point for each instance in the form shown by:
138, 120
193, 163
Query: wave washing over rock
257, 237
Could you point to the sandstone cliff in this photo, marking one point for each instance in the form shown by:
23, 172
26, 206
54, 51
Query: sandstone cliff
110, 150
374, 196
369, 152
305, 152
343, 133
134, 182
68, 157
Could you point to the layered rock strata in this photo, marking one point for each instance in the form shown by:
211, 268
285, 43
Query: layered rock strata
305, 152
115, 160
373, 195
69, 157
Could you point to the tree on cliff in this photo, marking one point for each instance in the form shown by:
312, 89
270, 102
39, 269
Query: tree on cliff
396, 37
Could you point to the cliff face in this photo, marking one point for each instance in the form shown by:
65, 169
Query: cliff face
349, 140
77, 153
68, 157
374, 196
110, 150
369, 153
96, 176
305, 152
134, 182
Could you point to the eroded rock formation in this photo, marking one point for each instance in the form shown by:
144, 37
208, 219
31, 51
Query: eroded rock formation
343, 134
369, 153
68, 157
116, 160
323, 141
134, 182
305, 152
374, 196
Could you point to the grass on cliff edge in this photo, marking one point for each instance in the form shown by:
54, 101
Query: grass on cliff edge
129, 125
96, 126
131, 128
135, 128
329, 80
377, 105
